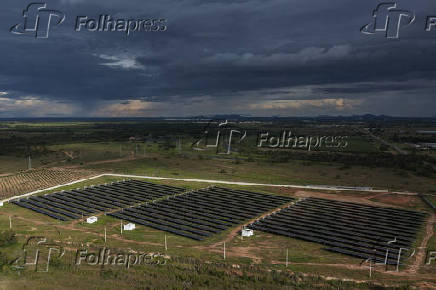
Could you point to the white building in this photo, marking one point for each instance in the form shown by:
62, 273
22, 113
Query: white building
247, 232
129, 227
91, 219
1, 203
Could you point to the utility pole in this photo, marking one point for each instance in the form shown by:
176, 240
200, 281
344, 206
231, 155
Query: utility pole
10, 223
287, 254
166, 246
224, 253
179, 144
121, 228
105, 235
29, 163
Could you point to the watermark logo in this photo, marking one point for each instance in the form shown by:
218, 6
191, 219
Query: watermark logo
430, 23
287, 140
104, 257
37, 20
394, 255
106, 23
388, 19
430, 257
37, 254
225, 136
222, 137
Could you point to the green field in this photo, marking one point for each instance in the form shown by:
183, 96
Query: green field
295, 172
248, 262
150, 148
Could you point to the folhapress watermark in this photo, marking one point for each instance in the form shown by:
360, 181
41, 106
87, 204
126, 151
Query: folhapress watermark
395, 255
223, 136
387, 18
430, 257
128, 26
287, 140
38, 20
38, 253
104, 257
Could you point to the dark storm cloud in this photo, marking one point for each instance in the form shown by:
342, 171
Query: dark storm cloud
223, 54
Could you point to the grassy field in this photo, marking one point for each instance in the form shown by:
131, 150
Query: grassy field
10, 165
76, 144
256, 262
251, 263
295, 172
432, 198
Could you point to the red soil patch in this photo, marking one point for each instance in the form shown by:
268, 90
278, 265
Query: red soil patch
398, 200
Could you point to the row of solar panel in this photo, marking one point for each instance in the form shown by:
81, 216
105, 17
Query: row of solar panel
297, 217
399, 227
386, 226
77, 203
332, 239
378, 256
202, 213
383, 210
246, 194
394, 215
343, 229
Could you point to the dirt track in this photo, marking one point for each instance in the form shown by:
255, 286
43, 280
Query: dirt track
362, 199
72, 228
129, 158
420, 256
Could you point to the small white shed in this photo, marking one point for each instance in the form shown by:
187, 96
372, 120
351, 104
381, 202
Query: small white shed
91, 219
129, 227
1, 203
247, 232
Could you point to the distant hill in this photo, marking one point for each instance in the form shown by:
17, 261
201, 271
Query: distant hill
235, 117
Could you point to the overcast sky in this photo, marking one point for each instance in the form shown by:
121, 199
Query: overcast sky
253, 57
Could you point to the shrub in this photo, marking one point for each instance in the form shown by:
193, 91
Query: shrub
3, 261
7, 238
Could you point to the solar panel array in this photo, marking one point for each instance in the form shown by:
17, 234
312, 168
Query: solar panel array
72, 204
202, 213
357, 230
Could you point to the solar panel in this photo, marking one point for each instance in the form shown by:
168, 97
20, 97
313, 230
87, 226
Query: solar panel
40, 210
204, 212
73, 204
347, 228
